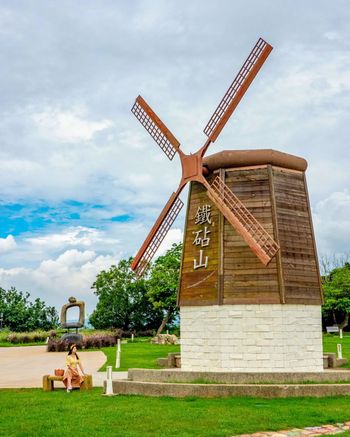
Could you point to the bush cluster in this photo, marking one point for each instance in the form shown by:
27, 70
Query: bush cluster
127, 334
29, 337
95, 340
88, 342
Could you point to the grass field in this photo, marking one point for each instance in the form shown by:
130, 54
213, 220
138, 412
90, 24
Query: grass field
143, 354
31, 412
137, 354
7, 344
330, 342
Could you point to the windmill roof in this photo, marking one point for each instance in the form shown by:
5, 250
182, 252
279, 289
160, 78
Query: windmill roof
245, 158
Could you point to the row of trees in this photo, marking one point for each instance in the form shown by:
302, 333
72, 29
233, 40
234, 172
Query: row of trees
123, 301
19, 314
131, 304
336, 289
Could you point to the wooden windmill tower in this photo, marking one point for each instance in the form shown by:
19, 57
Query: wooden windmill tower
250, 275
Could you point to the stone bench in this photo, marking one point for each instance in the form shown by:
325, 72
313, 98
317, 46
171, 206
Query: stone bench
332, 329
49, 380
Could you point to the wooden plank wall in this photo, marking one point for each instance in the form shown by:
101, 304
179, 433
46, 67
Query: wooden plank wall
298, 251
200, 286
246, 279
276, 197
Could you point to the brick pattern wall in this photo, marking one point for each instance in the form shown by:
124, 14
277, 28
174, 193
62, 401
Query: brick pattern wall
256, 338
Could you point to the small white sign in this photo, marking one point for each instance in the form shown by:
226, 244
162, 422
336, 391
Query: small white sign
340, 352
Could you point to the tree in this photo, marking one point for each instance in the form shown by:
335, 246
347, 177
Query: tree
336, 287
122, 301
19, 314
41, 316
331, 262
163, 284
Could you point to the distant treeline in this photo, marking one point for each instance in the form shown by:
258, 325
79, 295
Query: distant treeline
19, 314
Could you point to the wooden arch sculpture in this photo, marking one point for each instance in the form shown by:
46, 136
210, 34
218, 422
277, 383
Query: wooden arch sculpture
73, 303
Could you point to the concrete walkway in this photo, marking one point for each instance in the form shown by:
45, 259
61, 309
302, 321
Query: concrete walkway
22, 367
311, 431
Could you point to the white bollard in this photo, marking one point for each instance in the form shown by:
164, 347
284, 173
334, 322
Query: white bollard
340, 333
109, 383
117, 361
132, 337
339, 350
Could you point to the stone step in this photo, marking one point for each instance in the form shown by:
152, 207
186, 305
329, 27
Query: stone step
181, 376
332, 360
172, 360
226, 390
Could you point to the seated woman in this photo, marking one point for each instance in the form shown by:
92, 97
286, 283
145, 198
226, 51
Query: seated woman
74, 374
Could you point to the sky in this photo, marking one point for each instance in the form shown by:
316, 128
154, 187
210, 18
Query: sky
82, 182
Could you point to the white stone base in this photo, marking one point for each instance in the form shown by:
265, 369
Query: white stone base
251, 338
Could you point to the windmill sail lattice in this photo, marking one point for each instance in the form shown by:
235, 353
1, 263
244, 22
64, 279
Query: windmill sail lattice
157, 234
237, 89
156, 128
259, 240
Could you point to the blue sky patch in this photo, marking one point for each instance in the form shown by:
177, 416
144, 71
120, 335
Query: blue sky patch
121, 218
17, 218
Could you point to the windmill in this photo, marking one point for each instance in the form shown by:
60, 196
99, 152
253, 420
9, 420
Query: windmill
236, 213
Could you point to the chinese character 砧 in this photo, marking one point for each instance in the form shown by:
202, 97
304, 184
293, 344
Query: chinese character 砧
200, 262
201, 240
203, 215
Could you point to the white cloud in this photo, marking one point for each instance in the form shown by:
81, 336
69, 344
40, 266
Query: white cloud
72, 236
332, 35
69, 260
54, 280
173, 236
73, 270
67, 126
67, 132
7, 244
332, 224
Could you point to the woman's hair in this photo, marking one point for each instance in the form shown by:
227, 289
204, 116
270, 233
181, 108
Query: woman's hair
70, 351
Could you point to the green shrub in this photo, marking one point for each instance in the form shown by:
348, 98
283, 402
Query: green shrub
93, 341
27, 337
4, 333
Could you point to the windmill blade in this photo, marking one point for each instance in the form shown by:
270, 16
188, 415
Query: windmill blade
157, 234
155, 127
259, 240
237, 89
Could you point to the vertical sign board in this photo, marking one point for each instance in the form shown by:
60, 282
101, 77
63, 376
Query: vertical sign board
200, 262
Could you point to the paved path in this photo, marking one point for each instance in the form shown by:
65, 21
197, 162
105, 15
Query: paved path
311, 431
22, 367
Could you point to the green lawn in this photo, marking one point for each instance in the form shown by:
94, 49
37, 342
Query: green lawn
144, 355
137, 354
32, 412
7, 344
330, 342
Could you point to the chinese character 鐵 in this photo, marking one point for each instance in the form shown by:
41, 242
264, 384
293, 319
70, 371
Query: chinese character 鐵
203, 215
